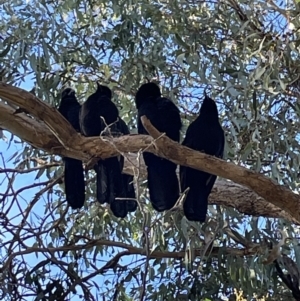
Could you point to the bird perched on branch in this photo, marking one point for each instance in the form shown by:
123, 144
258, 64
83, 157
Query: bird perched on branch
204, 134
74, 177
164, 115
99, 114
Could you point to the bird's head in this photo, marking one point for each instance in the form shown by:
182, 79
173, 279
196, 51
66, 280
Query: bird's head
148, 90
68, 95
209, 106
103, 91
67, 92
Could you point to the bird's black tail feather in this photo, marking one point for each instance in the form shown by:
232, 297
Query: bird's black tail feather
162, 182
118, 207
195, 205
130, 193
102, 187
110, 186
74, 183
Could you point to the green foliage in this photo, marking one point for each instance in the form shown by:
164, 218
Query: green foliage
248, 57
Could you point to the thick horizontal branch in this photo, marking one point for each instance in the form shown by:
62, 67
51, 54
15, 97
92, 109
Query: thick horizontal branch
271, 191
230, 194
32, 131
65, 141
64, 132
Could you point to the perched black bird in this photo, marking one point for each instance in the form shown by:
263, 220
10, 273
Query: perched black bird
74, 177
111, 183
164, 115
204, 134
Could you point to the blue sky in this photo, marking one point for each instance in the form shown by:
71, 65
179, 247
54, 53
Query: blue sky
8, 149
26, 196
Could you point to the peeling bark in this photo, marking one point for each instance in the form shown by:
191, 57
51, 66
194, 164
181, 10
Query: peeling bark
52, 133
227, 193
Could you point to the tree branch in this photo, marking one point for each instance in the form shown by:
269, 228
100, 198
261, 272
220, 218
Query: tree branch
60, 138
271, 191
130, 249
32, 131
227, 193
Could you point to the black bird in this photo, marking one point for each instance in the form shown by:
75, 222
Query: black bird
74, 176
204, 134
111, 183
164, 115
